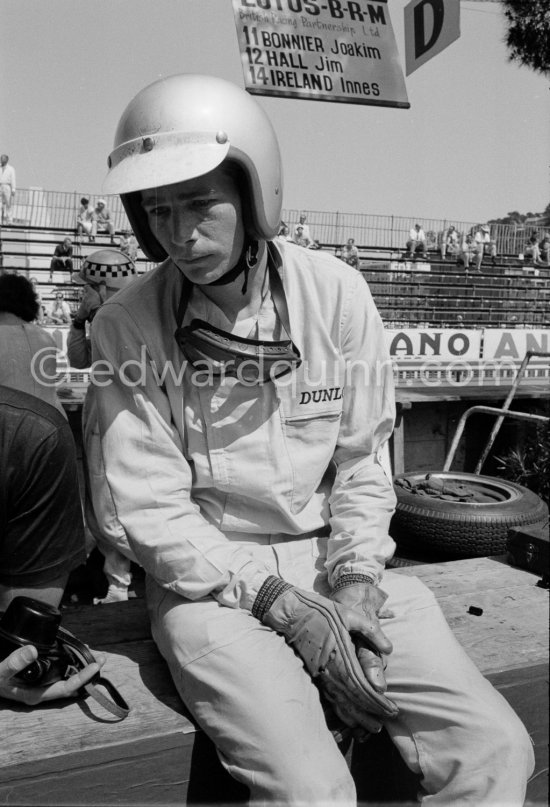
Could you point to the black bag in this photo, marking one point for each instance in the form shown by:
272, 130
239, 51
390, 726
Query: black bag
527, 548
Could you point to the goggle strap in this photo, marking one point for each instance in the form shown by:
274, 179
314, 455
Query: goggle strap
277, 289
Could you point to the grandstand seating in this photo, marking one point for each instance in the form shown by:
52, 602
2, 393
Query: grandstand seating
431, 293
500, 296
29, 250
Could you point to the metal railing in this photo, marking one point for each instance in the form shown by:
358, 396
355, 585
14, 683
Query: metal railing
37, 207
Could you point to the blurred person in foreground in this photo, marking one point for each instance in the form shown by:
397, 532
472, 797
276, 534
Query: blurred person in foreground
243, 431
41, 532
40, 317
28, 353
103, 273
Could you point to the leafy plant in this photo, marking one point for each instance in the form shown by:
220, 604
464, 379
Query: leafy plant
529, 465
528, 33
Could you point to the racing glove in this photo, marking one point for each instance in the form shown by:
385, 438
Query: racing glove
359, 593
320, 631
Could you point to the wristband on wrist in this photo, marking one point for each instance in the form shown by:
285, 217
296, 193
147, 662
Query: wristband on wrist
270, 590
79, 324
351, 579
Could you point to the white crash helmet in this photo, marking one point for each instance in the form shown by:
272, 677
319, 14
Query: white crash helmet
184, 126
109, 266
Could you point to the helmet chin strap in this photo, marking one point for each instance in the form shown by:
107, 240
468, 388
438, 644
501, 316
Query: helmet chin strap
247, 259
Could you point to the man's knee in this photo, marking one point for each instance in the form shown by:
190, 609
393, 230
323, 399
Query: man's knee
309, 780
511, 742
501, 742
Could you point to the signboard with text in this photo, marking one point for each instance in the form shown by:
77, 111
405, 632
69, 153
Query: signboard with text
441, 343
323, 50
514, 344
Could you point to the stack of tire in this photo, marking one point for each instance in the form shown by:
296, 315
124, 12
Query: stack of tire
452, 529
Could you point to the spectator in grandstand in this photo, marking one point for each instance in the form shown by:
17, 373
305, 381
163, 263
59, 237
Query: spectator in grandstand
449, 243
60, 313
27, 352
350, 253
466, 251
482, 241
532, 248
40, 524
84, 218
62, 260
101, 221
416, 242
284, 232
103, 273
493, 250
544, 248
305, 234
128, 244
7, 188
299, 237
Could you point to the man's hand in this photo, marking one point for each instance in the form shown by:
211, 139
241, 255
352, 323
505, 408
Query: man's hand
320, 631
11, 689
367, 599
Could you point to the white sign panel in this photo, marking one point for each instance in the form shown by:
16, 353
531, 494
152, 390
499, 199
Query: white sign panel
443, 343
499, 344
321, 50
430, 27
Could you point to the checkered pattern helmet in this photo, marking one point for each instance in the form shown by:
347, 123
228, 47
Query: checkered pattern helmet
109, 266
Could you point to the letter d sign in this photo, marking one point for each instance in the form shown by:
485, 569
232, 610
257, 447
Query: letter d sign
430, 26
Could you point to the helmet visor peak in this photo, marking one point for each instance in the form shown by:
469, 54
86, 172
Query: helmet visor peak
164, 159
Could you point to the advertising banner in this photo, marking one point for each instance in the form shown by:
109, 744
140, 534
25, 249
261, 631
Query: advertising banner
320, 50
441, 343
500, 344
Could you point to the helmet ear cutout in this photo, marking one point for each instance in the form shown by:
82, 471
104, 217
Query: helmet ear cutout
238, 175
140, 225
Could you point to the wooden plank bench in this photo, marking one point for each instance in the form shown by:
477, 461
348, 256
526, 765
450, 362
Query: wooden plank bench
70, 753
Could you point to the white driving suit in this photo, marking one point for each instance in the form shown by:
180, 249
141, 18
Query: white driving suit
218, 484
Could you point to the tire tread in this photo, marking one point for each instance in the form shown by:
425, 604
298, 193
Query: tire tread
463, 534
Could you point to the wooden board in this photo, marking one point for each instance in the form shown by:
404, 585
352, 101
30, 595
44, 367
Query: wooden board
71, 753
512, 632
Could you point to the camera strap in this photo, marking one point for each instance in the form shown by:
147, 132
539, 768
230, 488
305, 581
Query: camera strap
82, 655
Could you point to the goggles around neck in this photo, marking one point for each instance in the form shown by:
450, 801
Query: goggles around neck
217, 353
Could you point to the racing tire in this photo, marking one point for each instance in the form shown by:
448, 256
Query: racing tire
453, 529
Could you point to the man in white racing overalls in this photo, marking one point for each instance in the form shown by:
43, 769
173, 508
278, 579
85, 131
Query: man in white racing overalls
245, 400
